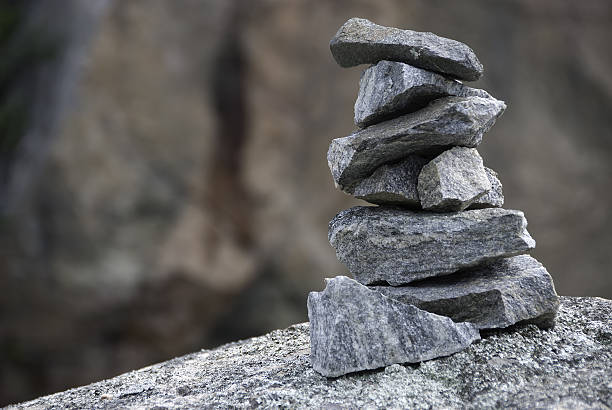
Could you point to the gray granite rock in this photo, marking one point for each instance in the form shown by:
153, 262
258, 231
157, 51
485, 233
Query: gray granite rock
398, 246
495, 197
389, 89
453, 180
495, 295
569, 366
359, 41
353, 328
445, 122
394, 183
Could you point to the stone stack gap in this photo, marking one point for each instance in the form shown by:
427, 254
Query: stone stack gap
437, 259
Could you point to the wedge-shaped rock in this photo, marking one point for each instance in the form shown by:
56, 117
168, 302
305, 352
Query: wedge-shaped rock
495, 295
359, 41
394, 183
453, 180
445, 122
495, 197
353, 328
389, 89
397, 246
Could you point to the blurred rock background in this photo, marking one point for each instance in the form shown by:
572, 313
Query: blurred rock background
163, 182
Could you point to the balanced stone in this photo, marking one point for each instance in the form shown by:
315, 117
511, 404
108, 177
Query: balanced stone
445, 122
495, 197
393, 184
354, 328
397, 246
494, 295
389, 89
359, 41
453, 180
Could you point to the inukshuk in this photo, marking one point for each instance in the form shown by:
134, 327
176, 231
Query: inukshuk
438, 259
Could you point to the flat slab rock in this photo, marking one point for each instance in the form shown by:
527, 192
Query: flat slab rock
359, 41
389, 89
393, 184
496, 295
354, 328
569, 366
446, 122
397, 246
453, 180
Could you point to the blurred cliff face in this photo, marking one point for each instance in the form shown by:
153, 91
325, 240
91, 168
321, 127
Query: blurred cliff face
170, 190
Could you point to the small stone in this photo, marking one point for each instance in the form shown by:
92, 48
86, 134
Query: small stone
446, 122
354, 328
494, 295
359, 41
393, 184
453, 180
398, 246
389, 89
495, 197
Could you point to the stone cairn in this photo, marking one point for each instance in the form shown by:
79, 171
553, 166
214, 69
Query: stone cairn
438, 259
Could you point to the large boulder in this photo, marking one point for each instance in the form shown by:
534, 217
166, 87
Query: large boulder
569, 366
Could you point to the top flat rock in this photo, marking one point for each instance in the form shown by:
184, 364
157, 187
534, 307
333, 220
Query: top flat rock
569, 366
446, 122
389, 89
359, 41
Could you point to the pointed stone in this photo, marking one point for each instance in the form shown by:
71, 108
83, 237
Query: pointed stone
389, 89
453, 180
359, 41
495, 295
446, 122
353, 328
397, 246
393, 184
495, 197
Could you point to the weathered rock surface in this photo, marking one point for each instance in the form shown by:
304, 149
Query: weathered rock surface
354, 328
496, 295
359, 41
400, 246
389, 89
453, 180
569, 366
394, 183
445, 122
495, 197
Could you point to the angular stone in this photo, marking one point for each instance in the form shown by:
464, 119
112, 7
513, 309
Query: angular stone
495, 295
495, 197
354, 328
393, 184
359, 41
397, 246
389, 89
445, 122
453, 180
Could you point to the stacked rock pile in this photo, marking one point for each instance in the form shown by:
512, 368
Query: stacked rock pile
438, 259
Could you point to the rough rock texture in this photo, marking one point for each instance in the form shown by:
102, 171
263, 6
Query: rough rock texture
359, 41
569, 366
394, 183
495, 197
496, 295
389, 88
354, 328
400, 246
453, 180
445, 122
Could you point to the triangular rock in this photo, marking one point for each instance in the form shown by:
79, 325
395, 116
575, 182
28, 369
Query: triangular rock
354, 328
389, 89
